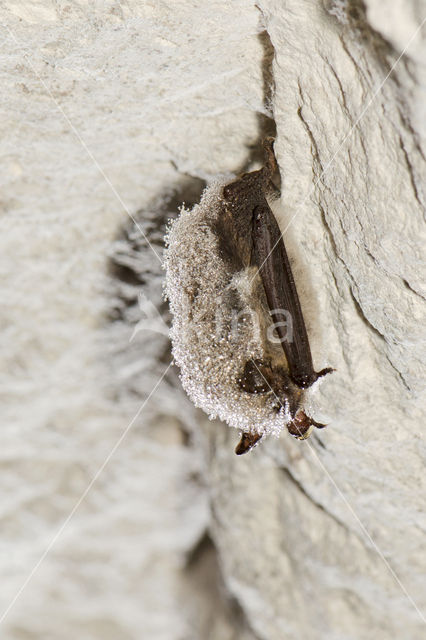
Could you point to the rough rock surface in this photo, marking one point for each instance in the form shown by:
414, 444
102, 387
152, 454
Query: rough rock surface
119, 109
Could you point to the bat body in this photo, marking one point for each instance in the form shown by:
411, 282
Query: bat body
229, 284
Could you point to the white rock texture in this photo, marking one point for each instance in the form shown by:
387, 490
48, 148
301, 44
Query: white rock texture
125, 515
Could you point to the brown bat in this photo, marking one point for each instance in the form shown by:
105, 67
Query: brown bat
229, 283
248, 193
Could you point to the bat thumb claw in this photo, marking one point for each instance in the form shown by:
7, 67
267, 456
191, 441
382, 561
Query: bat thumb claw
325, 371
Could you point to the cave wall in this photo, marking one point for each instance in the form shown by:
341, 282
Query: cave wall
124, 511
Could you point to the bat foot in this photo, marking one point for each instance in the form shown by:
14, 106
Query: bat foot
270, 161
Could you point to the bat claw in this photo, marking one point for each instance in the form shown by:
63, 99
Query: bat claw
325, 371
271, 165
308, 380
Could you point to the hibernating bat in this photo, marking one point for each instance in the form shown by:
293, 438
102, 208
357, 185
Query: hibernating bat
238, 334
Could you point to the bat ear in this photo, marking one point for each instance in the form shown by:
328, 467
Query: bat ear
302, 425
247, 442
318, 425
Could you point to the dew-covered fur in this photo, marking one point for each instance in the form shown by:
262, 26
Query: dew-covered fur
220, 320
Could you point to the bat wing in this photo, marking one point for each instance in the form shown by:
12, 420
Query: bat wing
272, 261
